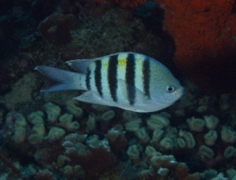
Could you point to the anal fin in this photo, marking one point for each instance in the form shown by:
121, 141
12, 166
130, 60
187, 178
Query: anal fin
92, 97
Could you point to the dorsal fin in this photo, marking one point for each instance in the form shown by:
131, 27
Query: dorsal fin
80, 65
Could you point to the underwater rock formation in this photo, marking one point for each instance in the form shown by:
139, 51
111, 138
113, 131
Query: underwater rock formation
57, 25
127, 3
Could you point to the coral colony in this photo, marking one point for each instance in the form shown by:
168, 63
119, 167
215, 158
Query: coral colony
52, 136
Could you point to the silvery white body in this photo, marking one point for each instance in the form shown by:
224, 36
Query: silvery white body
126, 80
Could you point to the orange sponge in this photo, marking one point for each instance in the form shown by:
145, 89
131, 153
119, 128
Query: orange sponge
205, 37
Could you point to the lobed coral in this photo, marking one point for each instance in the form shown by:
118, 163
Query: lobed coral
150, 143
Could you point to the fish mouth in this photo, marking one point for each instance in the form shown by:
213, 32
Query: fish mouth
181, 91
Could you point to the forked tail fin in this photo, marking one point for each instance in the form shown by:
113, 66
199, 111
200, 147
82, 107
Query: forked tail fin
66, 80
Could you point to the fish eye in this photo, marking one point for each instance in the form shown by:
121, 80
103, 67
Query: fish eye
170, 89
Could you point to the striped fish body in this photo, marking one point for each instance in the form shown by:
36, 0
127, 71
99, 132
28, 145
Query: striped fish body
126, 80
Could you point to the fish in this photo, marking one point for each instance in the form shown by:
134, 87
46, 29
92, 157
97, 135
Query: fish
127, 80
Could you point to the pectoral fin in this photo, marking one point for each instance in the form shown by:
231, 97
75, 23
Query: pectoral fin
133, 94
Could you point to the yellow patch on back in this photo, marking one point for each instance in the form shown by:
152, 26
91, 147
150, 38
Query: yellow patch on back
122, 62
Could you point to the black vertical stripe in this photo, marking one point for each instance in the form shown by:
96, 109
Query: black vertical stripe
146, 77
87, 80
112, 76
130, 78
98, 77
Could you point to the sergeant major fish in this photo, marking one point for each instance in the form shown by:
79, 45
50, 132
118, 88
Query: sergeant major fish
126, 80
